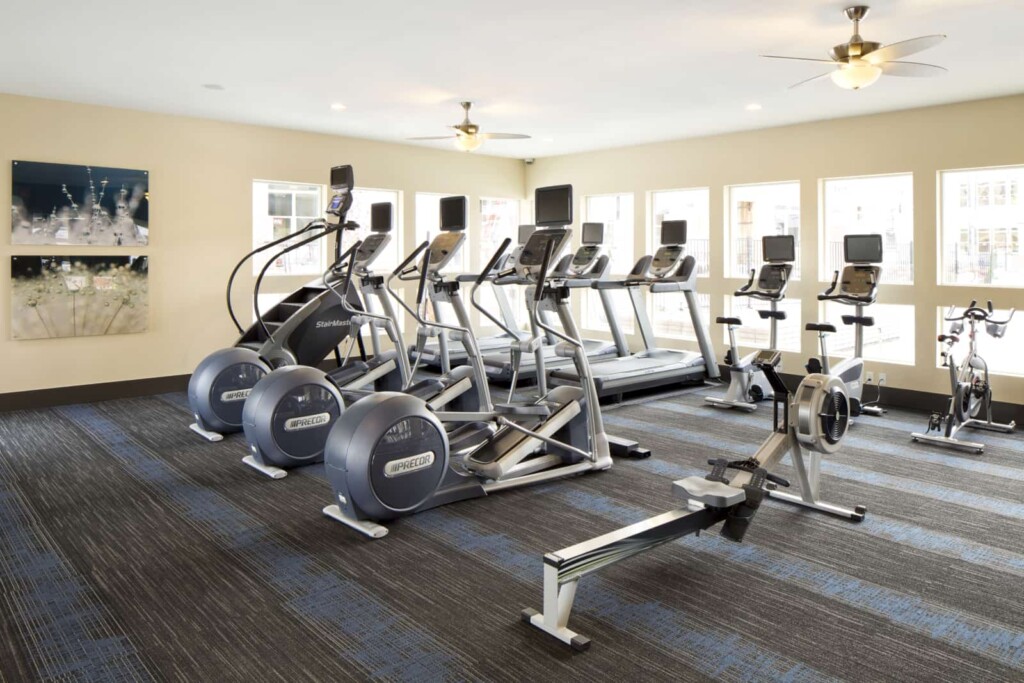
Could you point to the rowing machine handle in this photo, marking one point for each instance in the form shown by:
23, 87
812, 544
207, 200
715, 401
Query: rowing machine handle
494, 260
538, 292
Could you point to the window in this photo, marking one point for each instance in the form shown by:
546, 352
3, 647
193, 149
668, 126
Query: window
889, 340
499, 218
280, 209
362, 199
1002, 355
671, 317
428, 224
872, 204
756, 333
982, 220
755, 211
616, 212
693, 206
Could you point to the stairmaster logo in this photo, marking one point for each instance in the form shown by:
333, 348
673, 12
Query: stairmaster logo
414, 463
324, 324
237, 395
306, 422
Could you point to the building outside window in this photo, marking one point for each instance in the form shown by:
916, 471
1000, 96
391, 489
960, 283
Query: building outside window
616, 212
867, 205
280, 209
755, 211
982, 222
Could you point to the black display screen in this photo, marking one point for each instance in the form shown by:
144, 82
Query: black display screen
380, 217
553, 205
342, 177
862, 248
593, 233
453, 213
778, 248
673, 232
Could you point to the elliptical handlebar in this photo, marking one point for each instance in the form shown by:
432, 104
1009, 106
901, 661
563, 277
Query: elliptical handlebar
484, 276
402, 270
538, 292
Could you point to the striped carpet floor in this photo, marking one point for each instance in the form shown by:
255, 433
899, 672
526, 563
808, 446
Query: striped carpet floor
132, 550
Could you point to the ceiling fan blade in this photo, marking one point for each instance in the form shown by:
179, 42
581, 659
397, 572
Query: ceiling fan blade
504, 136
813, 78
913, 69
435, 137
902, 49
800, 59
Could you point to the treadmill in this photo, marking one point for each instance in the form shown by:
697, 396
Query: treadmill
669, 270
588, 265
432, 355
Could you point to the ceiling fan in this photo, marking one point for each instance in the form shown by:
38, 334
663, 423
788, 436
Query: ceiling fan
468, 136
859, 62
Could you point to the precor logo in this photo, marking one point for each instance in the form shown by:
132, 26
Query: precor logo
236, 395
413, 463
306, 422
323, 324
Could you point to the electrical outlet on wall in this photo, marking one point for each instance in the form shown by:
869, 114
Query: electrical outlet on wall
869, 377
881, 378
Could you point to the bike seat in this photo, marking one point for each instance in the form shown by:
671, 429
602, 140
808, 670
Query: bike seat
949, 337
778, 315
736, 322
820, 327
865, 320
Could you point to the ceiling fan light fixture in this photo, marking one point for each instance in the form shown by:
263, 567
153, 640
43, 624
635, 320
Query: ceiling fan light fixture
468, 143
856, 74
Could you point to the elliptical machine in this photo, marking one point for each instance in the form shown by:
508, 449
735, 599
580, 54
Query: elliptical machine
389, 455
747, 383
291, 411
970, 390
858, 288
303, 329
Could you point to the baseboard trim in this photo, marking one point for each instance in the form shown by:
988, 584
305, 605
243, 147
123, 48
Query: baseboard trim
106, 391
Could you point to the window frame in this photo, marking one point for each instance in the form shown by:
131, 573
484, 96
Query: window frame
257, 262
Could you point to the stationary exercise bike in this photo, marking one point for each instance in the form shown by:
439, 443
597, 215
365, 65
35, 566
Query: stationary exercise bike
969, 385
303, 329
810, 425
747, 383
859, 288
389, 455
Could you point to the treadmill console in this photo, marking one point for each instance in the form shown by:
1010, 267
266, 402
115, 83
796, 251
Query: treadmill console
666, 260
524, 236
533, 252
371, 248
443, 249
584, 258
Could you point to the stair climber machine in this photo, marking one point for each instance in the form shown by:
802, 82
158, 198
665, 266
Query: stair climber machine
747, 384
290, 412
812, 424
303, 329
589, 264
390, 455
970, 391
668, 270
443, 352
858, 287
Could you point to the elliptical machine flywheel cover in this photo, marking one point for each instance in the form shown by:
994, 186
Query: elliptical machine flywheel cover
289, 414
820, 412
220, 385
387, 454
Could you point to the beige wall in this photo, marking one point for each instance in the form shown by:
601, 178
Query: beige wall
922, 141
201, 175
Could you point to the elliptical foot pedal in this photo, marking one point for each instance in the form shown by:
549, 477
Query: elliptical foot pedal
364, 527
206, 434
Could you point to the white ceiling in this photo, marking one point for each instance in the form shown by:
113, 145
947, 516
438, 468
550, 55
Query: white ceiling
574, 74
